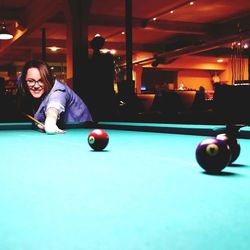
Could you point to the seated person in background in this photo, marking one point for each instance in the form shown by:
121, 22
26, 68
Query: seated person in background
47, 99
2, 83
182, 87
199, 103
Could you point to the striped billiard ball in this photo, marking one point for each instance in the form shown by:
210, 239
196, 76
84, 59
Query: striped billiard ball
213, 155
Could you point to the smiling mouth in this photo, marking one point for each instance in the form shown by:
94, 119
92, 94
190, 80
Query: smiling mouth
36, 92
36, 89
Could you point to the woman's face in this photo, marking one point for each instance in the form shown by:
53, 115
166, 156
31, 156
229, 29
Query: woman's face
34, 83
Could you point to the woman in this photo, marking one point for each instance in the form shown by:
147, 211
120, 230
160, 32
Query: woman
49, 100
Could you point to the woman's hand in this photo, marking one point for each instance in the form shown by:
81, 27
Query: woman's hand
51, 128
50, 122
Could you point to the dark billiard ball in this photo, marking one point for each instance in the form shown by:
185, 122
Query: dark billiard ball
98, 139
233, 145
213, 155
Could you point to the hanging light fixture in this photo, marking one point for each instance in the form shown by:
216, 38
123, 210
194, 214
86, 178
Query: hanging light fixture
4, 33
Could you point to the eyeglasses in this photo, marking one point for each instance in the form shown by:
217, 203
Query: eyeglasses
32, 82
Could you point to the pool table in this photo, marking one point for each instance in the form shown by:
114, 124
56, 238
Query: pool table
144, 191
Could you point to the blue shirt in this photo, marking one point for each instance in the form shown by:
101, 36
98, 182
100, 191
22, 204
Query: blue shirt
67, 102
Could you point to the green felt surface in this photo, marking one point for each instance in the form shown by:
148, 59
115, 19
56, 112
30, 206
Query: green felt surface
145, 191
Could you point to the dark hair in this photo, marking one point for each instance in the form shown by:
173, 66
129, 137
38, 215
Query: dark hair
24, 96
97, 42
45, 72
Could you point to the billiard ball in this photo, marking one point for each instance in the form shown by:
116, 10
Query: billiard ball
98, 139
213, 155
233, 145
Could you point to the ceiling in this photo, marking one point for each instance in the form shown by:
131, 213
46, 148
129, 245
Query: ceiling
206, 27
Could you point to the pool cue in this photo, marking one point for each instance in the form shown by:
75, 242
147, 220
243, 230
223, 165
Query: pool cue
34, 119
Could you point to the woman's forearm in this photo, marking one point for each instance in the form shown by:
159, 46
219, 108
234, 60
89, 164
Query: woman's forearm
51, 120
52, 115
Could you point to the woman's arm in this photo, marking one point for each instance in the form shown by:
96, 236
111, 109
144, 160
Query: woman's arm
51, 120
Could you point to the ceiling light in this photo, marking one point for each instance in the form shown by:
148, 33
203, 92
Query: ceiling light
104, 51
113, 51
4, 33
54, 48
220, 60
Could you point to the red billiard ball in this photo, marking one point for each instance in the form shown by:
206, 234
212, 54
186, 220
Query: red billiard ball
233, 145
98, 139
213, 155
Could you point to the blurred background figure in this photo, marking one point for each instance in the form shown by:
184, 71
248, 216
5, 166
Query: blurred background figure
199, 103
101, 97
